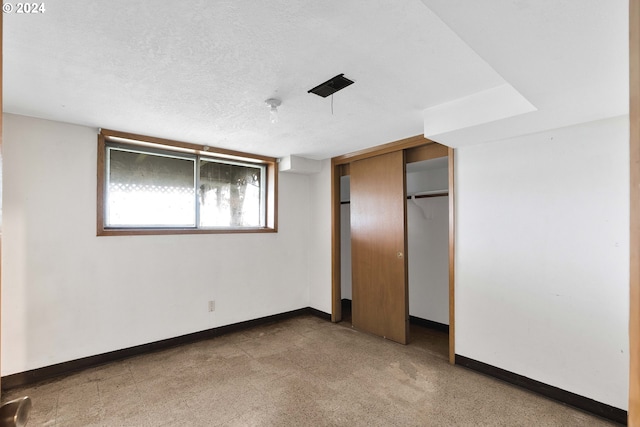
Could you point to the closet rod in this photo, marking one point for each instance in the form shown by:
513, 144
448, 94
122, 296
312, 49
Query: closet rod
417, 196
423, 196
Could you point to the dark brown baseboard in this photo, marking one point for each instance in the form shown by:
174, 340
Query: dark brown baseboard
346, 308
64, 368
428, 324
580, 402
319, 313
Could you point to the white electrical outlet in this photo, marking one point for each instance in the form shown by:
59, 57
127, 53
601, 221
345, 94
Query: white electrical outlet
212, 306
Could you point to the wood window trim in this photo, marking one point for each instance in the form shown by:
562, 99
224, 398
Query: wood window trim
107, 135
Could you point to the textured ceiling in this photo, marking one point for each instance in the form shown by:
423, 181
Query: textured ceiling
568, 58
199, 71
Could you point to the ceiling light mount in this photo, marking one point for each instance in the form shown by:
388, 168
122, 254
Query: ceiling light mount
273, 104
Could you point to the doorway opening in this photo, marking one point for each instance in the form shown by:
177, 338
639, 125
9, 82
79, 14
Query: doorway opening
427, 211
429, 230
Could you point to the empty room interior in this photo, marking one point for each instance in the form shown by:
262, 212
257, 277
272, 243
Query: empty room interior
319, 213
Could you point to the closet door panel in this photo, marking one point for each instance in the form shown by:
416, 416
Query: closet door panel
378, 246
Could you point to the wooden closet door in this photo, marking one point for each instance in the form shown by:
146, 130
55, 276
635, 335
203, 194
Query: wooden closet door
378, 246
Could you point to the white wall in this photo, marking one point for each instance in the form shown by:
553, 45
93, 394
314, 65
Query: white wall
67, 294
542, 257
319, 239
541, 267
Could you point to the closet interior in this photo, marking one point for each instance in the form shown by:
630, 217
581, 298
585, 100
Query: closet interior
427, 251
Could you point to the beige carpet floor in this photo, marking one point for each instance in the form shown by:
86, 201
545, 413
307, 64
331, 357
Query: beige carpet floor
303, 371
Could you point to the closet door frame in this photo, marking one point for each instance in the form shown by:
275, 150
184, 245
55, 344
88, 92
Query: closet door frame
634, 261
417, 148
1, 158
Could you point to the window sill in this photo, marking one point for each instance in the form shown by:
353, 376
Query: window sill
173, 231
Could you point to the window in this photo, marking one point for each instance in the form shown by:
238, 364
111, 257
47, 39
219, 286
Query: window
154, 186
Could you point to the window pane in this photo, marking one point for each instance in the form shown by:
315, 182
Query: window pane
149, 190
231, 195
